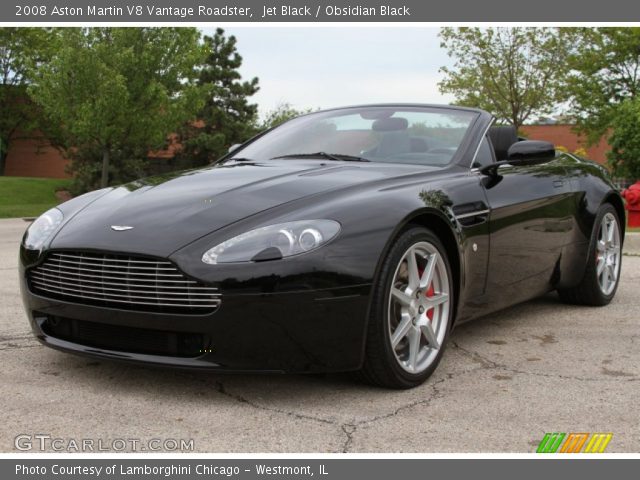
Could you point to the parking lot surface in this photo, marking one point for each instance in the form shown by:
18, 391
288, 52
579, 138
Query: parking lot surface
504, 381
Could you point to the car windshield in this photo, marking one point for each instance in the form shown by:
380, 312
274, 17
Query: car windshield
414, 135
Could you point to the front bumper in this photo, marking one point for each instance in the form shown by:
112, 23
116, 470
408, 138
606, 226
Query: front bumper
304, 331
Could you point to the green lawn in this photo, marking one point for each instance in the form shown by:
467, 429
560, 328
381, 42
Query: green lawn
28, 197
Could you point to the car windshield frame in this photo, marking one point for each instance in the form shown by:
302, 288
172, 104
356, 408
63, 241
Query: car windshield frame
386, 122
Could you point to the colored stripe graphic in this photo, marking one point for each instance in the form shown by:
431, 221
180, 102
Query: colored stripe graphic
573, 442
598, 443
550, 442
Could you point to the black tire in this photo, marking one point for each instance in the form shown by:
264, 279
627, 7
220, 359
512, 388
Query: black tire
588, 291
381, 368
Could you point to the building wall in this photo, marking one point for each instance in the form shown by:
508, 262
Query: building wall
33, 156
563, 135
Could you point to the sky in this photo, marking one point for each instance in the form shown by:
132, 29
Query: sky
324, 67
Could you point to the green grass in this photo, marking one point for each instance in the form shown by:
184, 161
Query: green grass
28, 197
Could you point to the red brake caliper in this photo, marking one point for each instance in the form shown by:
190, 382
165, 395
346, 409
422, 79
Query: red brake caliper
429, 293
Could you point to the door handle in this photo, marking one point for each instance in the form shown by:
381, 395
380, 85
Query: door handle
558, 183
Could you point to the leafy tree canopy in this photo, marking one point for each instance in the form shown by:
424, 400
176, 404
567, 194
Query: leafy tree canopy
514, 73
118, 90
605, 72
624, 156
283, 112
227, 116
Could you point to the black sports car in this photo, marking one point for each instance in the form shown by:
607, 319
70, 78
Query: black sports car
351, 239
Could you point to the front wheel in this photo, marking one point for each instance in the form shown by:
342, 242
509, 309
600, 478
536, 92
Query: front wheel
412, 308
602, 274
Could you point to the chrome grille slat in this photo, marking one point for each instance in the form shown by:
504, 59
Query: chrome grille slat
117, 278
67, 289
121, 281
88, 257
38, 277
125, 271
172, 285
120, 301
121, 266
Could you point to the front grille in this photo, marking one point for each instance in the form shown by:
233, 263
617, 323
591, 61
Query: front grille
121, 281
125, 339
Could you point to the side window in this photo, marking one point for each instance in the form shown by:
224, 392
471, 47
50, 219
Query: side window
485, 154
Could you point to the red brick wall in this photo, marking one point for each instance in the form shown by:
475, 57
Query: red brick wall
564, 135
33, 156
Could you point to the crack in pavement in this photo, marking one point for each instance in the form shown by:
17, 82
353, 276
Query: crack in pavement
347, 428
17, 347
350, 428
490, 364
239, 398
22, 336
16, 342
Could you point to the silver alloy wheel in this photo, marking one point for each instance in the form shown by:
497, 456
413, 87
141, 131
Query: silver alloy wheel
608, 254
419, 302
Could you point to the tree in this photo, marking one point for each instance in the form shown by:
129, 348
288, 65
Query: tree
605, 73
283, 112
624, 156
20, 49
227, 117
118, 91
513, 73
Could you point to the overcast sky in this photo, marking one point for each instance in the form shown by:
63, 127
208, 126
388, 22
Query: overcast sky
324, 67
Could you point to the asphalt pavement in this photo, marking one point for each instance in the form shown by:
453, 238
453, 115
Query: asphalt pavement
505, 381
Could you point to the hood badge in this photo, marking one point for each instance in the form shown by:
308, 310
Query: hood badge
120, 228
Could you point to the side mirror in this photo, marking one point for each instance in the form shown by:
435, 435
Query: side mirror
234, 147
530, 152
525, 152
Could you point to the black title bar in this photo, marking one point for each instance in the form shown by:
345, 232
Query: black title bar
201, 11
329, 469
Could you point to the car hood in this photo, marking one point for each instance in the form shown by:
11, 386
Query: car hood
170, 211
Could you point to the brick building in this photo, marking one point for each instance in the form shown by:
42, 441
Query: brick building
563, 135
31, 155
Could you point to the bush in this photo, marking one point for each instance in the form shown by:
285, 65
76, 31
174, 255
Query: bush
86, 168
624, 156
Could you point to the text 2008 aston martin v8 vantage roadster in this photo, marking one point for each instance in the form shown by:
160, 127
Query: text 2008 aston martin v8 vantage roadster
351, 239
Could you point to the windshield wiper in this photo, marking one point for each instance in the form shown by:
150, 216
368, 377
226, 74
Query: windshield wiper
241, 159
338, 157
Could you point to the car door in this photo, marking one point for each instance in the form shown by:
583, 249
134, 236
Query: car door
529, 224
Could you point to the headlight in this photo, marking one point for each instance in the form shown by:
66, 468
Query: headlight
273, 242
42, 228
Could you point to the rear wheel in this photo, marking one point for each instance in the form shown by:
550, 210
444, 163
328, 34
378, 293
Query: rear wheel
600, 281
411, 312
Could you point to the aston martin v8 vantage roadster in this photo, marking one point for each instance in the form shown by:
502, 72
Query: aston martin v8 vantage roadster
351, 239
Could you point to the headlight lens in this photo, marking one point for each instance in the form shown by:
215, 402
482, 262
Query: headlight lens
273, 242
42, 228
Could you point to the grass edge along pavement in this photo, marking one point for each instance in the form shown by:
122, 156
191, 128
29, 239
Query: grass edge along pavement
29, 197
